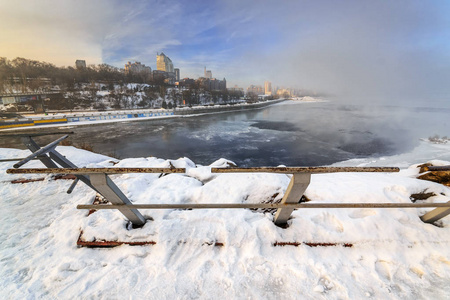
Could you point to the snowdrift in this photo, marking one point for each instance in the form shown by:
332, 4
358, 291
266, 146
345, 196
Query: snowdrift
393, 254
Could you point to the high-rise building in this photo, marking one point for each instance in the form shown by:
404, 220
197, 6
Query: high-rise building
208, 74
268, 88
164, 63
177, 74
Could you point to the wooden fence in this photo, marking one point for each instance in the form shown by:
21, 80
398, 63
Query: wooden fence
98, 179
101, 182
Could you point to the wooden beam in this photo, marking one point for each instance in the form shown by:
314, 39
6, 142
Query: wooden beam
312, 170
15, 159
282, 170
262, 205
35, 134
88, 171
438, 168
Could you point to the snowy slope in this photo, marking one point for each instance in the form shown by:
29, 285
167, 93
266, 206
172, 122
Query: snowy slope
394, 254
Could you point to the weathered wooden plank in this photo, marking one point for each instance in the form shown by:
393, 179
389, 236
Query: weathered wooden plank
35, 134
88, 171
312, 170
438, 168
15, 159
282, 170
263, 205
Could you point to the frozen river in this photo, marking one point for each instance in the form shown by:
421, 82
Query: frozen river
289, 133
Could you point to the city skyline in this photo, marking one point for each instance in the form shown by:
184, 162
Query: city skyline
352, 48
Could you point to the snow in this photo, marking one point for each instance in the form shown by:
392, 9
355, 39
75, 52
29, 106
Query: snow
394, 254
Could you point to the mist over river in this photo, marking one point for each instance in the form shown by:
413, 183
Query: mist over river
290, 133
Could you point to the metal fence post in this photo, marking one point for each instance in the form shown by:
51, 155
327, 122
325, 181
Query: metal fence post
49, 157
113, 194
435, 214
28, 141
297, 186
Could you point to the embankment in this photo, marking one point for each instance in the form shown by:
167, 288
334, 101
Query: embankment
87, 118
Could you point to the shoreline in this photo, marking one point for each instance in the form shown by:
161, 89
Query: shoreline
92, 118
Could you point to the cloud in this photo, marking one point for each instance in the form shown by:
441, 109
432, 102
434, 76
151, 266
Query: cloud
98, 31
355, 49
55, 31
363, 51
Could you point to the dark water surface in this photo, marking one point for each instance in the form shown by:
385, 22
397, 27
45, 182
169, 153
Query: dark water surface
289, 133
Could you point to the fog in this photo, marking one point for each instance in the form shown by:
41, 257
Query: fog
357, 51
292, 133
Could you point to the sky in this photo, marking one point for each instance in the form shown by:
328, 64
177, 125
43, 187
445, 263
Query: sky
365, 51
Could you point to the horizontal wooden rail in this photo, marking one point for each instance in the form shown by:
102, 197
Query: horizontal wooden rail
438, 168
15, 159
35, 134
282, 170
264, 205
87, 171
311, 170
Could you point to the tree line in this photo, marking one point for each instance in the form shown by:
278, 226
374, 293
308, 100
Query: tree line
25, 72
80, 87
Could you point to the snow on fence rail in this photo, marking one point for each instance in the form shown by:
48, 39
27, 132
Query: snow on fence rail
296, 188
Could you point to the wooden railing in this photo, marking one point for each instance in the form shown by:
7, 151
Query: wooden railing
101, 182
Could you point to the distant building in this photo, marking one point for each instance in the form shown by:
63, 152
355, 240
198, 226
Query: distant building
267, 88
177, 74
213, 84
236, 89
284, 92
187, 82
208, 74
164, 63
137, 68
255, 89
161, 75
167, 77
80, 64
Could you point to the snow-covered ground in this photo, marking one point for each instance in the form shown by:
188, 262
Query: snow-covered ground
394, 254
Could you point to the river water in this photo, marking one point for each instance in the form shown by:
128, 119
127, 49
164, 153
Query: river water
290, 133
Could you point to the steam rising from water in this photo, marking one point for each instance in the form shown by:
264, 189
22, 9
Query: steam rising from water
291, 133
362, 52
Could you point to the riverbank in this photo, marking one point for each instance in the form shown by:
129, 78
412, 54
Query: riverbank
96, 117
